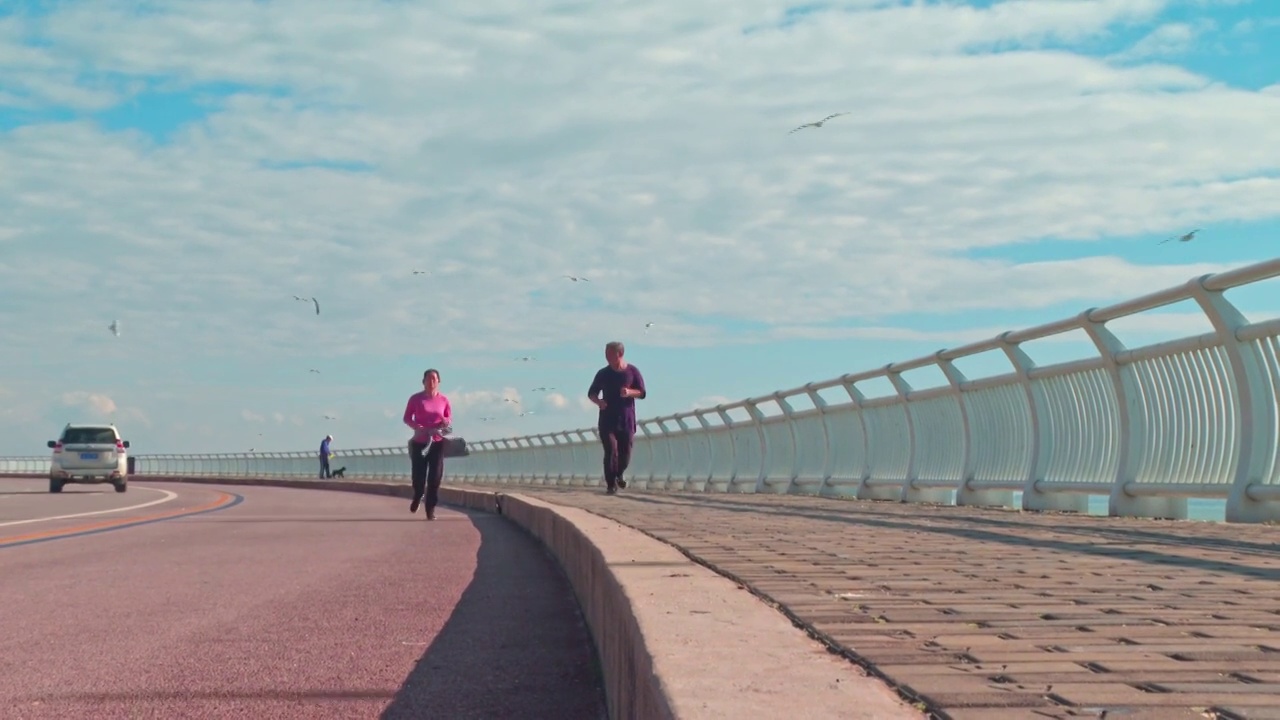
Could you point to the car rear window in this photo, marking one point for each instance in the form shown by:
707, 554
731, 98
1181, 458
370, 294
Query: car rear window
86, 436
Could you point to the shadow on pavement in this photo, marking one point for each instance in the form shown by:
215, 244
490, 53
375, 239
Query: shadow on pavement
516, 645
1120, 545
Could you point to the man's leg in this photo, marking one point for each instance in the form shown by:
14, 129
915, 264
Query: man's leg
417, 474
624, 440
610, 444
435, 474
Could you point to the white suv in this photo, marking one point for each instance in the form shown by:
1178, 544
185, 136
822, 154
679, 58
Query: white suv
89, 454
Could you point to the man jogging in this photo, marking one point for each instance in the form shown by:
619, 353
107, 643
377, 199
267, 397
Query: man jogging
325, 454
615, 390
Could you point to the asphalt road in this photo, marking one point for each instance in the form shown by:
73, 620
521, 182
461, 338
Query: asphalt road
177, 600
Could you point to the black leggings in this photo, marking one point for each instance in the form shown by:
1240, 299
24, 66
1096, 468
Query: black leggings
617, 454
427, 472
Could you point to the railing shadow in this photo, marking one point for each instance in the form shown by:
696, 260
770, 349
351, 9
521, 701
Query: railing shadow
1119, 544
516, 645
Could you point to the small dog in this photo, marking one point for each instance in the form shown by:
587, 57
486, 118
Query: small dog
340, 472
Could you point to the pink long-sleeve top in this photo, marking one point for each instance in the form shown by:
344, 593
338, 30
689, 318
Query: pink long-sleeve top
424, 411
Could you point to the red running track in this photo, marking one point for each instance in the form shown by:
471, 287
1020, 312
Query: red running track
281, 603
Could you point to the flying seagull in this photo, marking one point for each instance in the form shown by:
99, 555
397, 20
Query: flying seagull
419, 272
541, 389
330, 417
818, 124
309, 299
526, 358
1181, 238
647, 326
315, 371
114, 327
576, 278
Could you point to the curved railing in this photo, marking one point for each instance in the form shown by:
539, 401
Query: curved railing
1148, 427
26, 465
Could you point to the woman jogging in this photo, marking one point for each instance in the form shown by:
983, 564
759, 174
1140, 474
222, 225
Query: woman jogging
429, 414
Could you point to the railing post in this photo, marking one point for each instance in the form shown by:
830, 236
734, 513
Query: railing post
686, 470
910, 493
1255, 418
730, 427
863, 490
1033, 497
788, 414
1128, 401
757, 421
820, 404
965, 494
707, 432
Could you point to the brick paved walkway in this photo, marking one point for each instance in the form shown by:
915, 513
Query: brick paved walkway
990, 614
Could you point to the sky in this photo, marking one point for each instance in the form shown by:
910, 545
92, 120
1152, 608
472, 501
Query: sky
186, 168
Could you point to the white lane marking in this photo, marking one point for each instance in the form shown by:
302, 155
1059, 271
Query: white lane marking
167, 497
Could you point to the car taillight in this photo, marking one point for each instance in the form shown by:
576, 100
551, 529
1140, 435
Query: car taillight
57, 447
119, 446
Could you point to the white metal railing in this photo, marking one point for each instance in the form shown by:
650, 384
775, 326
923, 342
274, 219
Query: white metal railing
1149, 427
27, 465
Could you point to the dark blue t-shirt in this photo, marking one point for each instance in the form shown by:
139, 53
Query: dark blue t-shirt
620, 413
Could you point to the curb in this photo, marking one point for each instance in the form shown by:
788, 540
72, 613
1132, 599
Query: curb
674, 639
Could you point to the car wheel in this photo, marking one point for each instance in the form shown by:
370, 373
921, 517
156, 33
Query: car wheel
121, 485
55, 485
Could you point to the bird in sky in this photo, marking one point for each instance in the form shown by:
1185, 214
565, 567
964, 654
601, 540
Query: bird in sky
485, 419
315, 371
525, 358
511, 400
576, 278
330, 417
818, 124
419, 272
1181, 238
114, 327
311, 300
526, 412
647, 326
541, 389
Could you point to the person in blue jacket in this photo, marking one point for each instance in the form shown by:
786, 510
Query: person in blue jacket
324, 456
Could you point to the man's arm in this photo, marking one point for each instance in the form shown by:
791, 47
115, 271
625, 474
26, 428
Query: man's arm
639, 384
636, 390
593, 392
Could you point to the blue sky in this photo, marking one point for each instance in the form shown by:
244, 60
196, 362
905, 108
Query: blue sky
187, 170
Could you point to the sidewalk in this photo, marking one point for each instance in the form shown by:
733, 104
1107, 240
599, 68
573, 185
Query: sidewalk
998, 614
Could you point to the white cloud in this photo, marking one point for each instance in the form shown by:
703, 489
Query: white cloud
643, 146
96, 403
253, 417
709, 401
555, 401
485, 403
1164, 41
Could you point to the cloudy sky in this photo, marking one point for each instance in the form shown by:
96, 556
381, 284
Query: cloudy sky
187, 167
